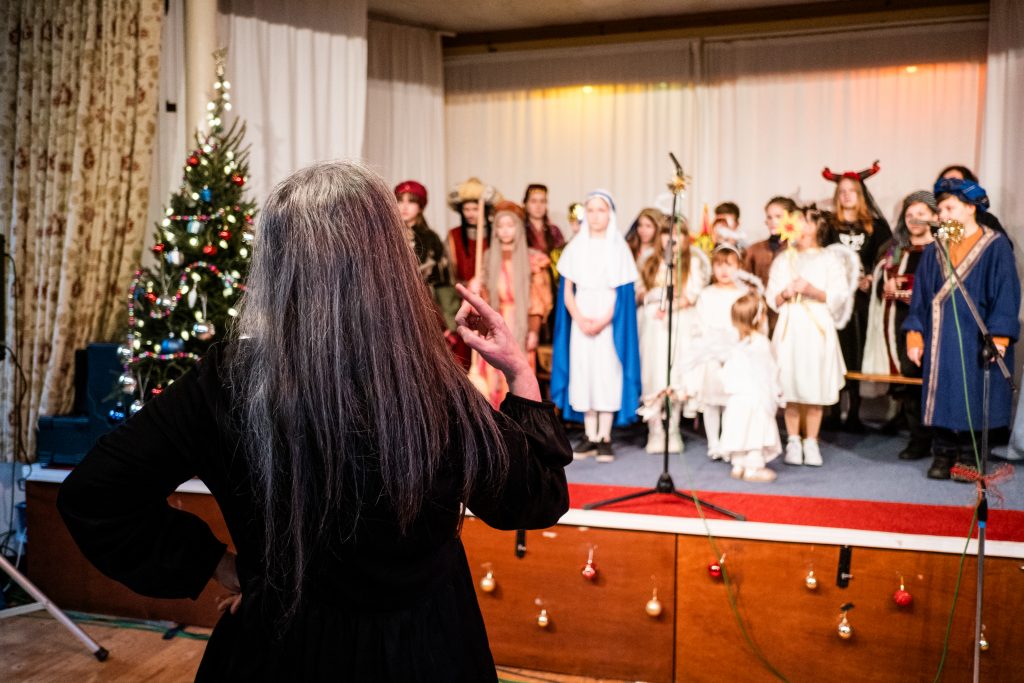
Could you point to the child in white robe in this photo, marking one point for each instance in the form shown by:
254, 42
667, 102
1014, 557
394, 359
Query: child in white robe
692, 275
750, 379
598, 272
715, 334
810, 287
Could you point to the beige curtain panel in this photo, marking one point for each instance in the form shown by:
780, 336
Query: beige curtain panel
78, 101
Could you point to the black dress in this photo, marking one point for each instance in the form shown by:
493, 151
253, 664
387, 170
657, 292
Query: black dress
867, 245
379, 606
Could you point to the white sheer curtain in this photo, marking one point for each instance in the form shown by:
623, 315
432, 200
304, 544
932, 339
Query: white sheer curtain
298, 75
748, 118
404, 137
574, 119
1002, 152
169, 155
780, 109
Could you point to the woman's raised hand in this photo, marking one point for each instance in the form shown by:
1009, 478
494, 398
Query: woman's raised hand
486, 332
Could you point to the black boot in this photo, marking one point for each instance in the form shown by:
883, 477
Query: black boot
941, 465
944, 459
920, 444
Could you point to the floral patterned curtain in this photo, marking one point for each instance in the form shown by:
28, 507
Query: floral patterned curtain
78, 102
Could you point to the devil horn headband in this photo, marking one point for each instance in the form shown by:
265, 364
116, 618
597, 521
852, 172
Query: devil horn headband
828, 174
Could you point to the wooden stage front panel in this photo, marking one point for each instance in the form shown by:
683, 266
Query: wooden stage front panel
597, 628
601, 629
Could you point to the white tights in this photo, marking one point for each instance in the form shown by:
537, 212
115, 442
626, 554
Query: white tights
712, 427
598, 425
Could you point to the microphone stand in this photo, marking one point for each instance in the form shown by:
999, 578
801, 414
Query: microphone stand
989, 353
665, 483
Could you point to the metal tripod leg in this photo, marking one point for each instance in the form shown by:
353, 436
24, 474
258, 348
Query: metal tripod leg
43, 602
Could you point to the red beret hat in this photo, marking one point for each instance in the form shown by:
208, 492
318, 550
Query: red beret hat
415, 189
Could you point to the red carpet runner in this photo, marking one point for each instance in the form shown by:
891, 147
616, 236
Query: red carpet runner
904, 518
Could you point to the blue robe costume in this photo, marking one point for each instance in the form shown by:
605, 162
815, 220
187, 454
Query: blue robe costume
990, 277
627, 347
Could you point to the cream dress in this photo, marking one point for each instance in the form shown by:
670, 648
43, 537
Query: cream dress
715, 334
750, 379
654, 331
805, 341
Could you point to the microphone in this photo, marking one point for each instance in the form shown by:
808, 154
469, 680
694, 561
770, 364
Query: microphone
948, 230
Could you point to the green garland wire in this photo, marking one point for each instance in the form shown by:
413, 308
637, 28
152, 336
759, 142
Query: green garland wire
977, 458
729, 591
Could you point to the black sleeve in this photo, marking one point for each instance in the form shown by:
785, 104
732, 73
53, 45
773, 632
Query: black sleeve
535, 494
115, 502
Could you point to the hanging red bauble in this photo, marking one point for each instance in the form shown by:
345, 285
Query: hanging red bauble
151, 297
224, 234
193, 160
209, 249
589, 571
238, 180
902, 597
157, 390
158, 248
715, 570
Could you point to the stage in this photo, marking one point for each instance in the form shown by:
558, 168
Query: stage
862, 486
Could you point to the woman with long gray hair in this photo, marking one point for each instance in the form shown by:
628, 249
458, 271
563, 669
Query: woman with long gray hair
341, 441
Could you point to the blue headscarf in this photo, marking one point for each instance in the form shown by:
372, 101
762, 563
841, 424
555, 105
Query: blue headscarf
967, 191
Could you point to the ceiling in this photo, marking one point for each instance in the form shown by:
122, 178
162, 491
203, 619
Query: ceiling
480, 16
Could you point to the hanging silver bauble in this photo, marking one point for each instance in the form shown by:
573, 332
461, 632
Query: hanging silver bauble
128, 383
194, 227
204, 330
124, 353
135, 407
174, 257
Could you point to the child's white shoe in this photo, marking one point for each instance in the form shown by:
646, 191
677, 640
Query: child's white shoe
760, 475
794, 452
737, 472
812, 454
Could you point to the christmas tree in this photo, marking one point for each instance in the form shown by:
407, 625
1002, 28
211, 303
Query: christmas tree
183, 305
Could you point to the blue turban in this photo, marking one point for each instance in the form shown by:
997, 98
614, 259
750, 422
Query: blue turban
967, 191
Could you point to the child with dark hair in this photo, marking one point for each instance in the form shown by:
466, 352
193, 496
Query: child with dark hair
986, 218
886, 349
942, 337
811, 288
435, 267
759, 256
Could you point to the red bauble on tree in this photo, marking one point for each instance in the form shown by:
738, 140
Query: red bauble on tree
238, 180
158, 248
193, 160
209, 249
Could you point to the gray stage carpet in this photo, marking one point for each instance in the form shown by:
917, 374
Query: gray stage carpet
857, 467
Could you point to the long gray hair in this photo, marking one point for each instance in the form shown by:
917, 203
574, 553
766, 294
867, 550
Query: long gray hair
340, 372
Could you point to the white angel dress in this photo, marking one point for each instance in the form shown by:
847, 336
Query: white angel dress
715, 335
805, 340
654, 329
750, 379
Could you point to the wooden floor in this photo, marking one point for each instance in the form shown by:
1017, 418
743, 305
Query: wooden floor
35, 648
